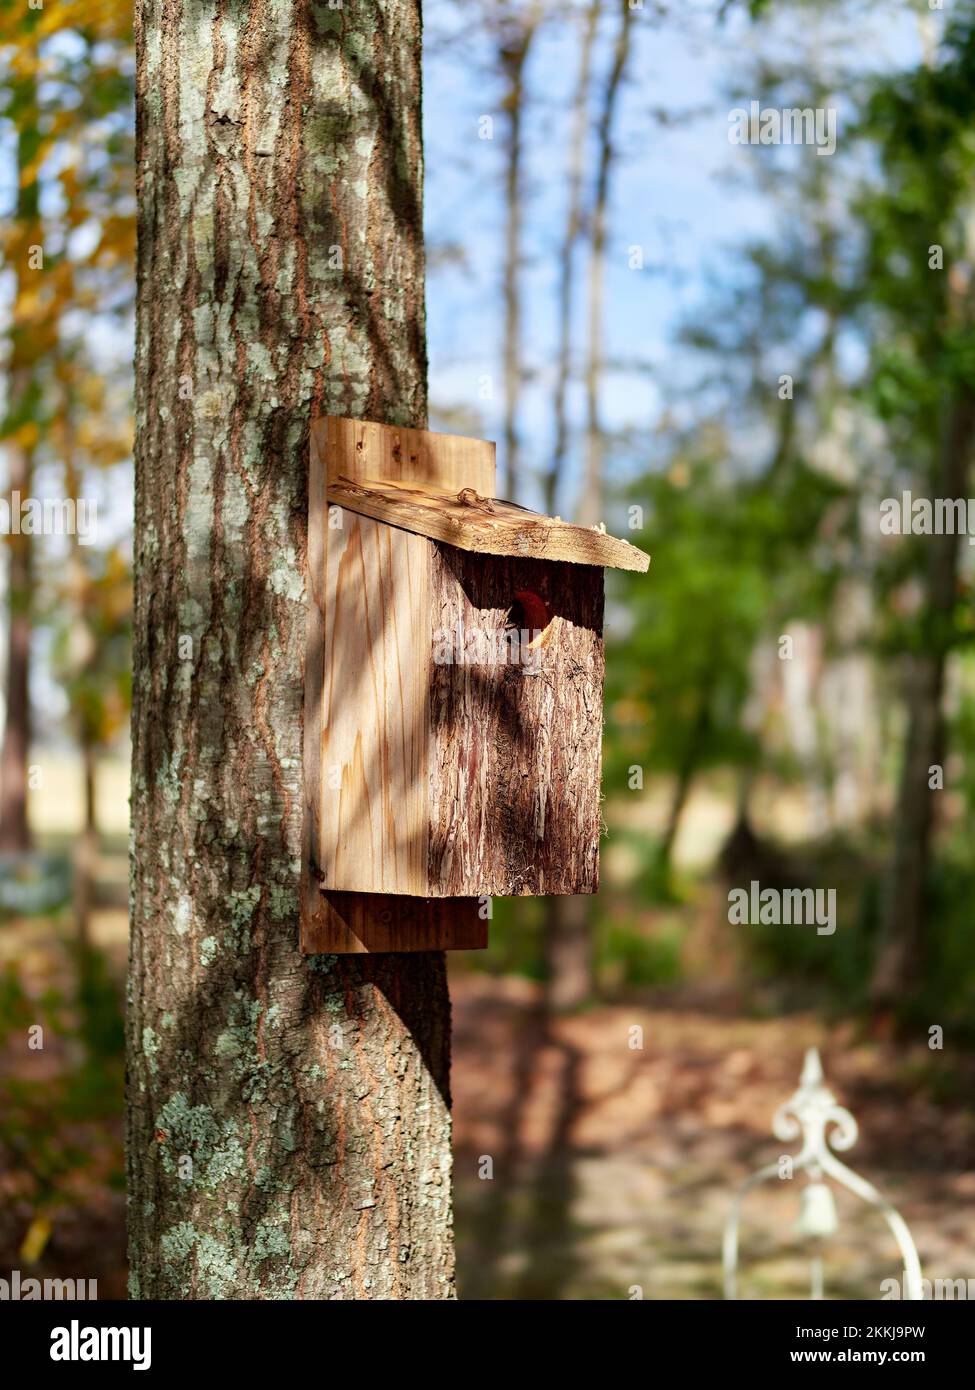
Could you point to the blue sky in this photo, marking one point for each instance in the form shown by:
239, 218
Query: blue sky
681, 190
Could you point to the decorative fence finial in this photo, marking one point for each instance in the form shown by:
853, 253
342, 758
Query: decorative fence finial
809, 1113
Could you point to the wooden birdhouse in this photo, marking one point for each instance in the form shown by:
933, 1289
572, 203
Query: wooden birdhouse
453, 692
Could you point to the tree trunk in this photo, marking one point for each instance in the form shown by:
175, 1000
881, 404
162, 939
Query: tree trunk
899, 959
15, 833
590, 504
573, 227
568, 933
568, 952
23, 407
84, 642
86, 849
289, 1127
684, 777
514, 56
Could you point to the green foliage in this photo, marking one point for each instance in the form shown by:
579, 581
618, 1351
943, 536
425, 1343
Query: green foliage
730, 566
57, 1126
743, 546
92, 646
101, 1027
948, 993
515, 939
830, 971
637, 954
833, 972
919, 319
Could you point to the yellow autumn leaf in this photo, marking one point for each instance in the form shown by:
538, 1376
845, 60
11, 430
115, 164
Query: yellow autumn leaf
36, 1238
27, 435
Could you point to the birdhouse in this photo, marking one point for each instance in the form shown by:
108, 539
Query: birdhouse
453, 692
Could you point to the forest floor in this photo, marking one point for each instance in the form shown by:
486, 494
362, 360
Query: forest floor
586, 1167
613, 1166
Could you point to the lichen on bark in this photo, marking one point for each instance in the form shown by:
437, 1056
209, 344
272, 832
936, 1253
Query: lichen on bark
288, 1132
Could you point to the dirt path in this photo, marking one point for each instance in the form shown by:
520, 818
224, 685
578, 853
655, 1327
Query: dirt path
613, 1166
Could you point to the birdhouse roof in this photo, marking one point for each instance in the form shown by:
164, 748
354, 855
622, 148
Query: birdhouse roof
488, 525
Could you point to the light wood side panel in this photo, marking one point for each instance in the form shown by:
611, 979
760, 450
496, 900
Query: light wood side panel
367, 692
375, 709
313, 926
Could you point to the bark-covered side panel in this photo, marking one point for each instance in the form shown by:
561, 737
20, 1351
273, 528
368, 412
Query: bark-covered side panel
288, 1123
516, 719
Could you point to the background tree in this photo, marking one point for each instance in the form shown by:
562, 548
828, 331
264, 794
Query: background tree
567, 252
29, 336
921, 315
68, 244
568, 920
589, 509
517, 27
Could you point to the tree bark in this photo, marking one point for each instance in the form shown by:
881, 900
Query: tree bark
516, 744
289, 1127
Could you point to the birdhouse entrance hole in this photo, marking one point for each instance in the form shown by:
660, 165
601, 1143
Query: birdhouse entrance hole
530, 617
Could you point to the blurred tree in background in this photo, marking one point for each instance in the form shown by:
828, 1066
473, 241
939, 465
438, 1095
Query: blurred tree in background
829, 358
68, 246
919, 314
67, 249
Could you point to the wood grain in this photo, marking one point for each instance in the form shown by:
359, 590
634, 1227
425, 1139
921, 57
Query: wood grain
487, 525
375, 709
359, 923
312, 908
359, 449
367, 692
